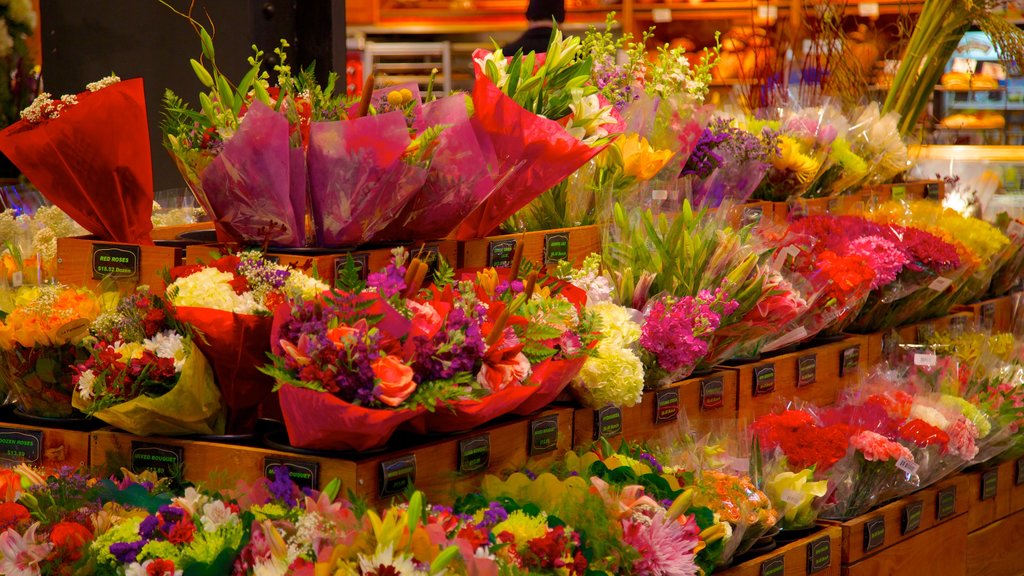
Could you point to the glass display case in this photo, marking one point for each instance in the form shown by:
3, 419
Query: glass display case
988, 178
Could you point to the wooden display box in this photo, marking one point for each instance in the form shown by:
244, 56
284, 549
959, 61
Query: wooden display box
880, 535
817, 554
929, 189
875, 195
991, 491
327, 263
541, 247
995, 314
814, 374
49, 448
939, 550
704, 401
917, 332
86, 261
1017, 487
995, 549
742, 215
173, 233
433, 464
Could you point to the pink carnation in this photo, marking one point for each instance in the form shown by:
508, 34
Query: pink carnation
878, 448
884, 257
961, 438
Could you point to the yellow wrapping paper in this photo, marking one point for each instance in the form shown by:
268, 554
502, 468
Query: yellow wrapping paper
193, 406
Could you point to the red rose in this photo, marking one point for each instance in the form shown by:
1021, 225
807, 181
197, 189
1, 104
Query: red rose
69, 538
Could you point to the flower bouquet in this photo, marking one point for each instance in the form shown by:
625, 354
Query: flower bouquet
795, 495
1008, 275
804, 141
89, 155
229, 303
41, 340
876, 138
145, 375
729, 162
28, 242
614, 373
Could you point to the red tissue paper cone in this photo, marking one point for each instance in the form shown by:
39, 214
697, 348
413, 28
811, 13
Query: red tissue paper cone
93, 161
236, 346
337, 425
255, 189
468, 414
533, 153
550, 377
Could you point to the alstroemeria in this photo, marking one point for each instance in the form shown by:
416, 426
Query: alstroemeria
20, 555
794, 495
639, 159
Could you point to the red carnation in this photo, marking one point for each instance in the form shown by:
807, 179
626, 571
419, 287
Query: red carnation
69, 538
160, 567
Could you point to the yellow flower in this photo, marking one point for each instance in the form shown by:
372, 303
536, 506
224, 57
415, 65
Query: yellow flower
488, 280
794, 494
130, 350
522, 526
791, 158
639, 159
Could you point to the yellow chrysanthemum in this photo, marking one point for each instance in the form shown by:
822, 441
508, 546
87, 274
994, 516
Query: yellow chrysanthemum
522, 526
792, 159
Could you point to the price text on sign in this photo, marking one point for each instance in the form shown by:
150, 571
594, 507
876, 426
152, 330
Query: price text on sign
806, 370
305, 473
117, 261
397, 474
819, 555
607, 422
764, 379
989, 484
474, 454
164, 459
556, 247
666, 405
774, 567
849, 359
17, 446
543, 434
945, 503
360, 264
500, 253
874, 533
911, 517
712, 393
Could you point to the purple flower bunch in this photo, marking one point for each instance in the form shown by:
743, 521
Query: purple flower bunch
170, 524
389, 282
458, 347
262, 275
723, 143
677, 332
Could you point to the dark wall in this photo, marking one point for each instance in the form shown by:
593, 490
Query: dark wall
85, 41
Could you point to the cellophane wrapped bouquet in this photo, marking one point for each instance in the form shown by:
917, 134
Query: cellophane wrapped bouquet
391, 353
729, 162
229, 303
699, 287
805, 138
653, 104
981, 247
89, 155
42, 340
29, 244
144, 373
1008, 275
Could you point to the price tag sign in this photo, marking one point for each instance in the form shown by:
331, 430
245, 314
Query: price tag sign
474, 454
543, 434
764, 379
907, 466
931, 190
769, 13
867, 9
925, 359
661, 15
165, 460
792, 497
607, 422
940, 284
946, 503
556, 247
899, 191
774, 567
1019, 476
988, 315
989, 484
18, 445
500, 253
806, 370
117, 261
666, 406
849, 359
305, 473
397, 474
819, 555
360, 265
874, 533
712, 393
911, 518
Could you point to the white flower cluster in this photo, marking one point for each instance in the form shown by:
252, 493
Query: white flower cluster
303, 286
102, 83
44, 107
211, 288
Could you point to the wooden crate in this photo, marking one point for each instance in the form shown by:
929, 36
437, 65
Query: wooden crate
888, 527
86, 261
928, 189
874, 195
917, 332
995, 549
703, 401
326, 264
815, 374
990, 492
49, 448
1017, 487
541, 247
816, 554
172, 233
435, 463
995, 314
940, 550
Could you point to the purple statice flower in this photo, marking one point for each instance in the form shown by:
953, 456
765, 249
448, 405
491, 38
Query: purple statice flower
262, 275
148, 526
704, 159
651, 461
457, 348
883, 256
389, 282
355, 380
281, 487
494, 514
127, 552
